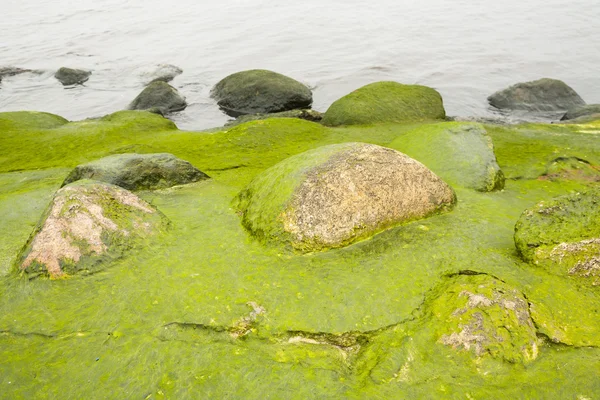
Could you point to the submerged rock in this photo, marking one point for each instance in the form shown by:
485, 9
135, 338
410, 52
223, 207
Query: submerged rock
582, 111
69, 76
138, 171
562, 235
161, 72
260, 91
309, 115
334, 195
159, 96
88, 222
541, 95
385, 101
12, 71
460, 153
485, 316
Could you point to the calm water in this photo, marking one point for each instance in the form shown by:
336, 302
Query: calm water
465, 49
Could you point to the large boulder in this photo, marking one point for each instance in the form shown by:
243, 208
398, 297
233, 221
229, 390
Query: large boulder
486, 317
541, 95
87, 223
562, 235
259, 91
460, 153
70, 76
159, 96
582, 111
138, 171
334, 195
382, 102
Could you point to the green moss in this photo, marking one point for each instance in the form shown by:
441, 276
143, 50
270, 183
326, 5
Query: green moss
385, 102
29, 120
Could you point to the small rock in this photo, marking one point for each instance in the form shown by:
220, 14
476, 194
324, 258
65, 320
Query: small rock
309, 115
69, 76
138, 171
159, 96
582, 111
541, 95
161, 72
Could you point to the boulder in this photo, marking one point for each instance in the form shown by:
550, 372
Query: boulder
382, 102
69, 76
259, 91
334, 195
159, 96
541, 95
582, 111
138, 171
562, 235
309, 115
460, 153
485, 317
86, 224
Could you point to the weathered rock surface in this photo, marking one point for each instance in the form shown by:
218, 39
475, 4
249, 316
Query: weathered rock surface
334, 195
70, 76
487, 317
541, 95
309, 115
382, 102
460, 153
562, 235
260, 91
88, 222
159, 96
582, 111
138, 171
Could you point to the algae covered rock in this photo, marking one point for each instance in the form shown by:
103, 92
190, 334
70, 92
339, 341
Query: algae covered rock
138, 171
70, 76
582, 111
485, 316
562, 235
260, 91
161, 96
571, 169
333, 195
541, 95
308, 115
88, 222
24, 120
381, 102
460, 153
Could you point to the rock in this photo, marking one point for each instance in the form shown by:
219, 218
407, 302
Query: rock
87, 223
138, 171
334, 195
309, 115
486, 317
69, 76
383, 102
258, 92
562, 235
460, 153
582, 111
541, 95
161, 72
12, 71
24, 120
571, 169
159, 96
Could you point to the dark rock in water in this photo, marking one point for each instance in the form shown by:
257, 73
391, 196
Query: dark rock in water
138, 171
385, 102
541, 95
583, 111
87, 223
69, 76
309, 115
562, 235
159, 96
12, 71
260, 91
334, 195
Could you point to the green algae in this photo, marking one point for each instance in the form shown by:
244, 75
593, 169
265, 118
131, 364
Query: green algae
157, 323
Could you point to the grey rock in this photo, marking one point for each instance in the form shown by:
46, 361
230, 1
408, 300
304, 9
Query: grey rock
582, 111
541, 95
69, 76
159, 96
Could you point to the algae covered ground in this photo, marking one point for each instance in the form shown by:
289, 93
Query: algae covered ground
204, 310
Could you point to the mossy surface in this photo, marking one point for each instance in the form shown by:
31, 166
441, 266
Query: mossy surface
385, 102
181, 316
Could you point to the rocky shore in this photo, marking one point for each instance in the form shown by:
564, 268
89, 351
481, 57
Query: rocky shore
376, 249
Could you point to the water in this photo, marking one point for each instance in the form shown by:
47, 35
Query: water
465, 49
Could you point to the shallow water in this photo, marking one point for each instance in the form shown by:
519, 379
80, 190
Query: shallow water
466, 50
